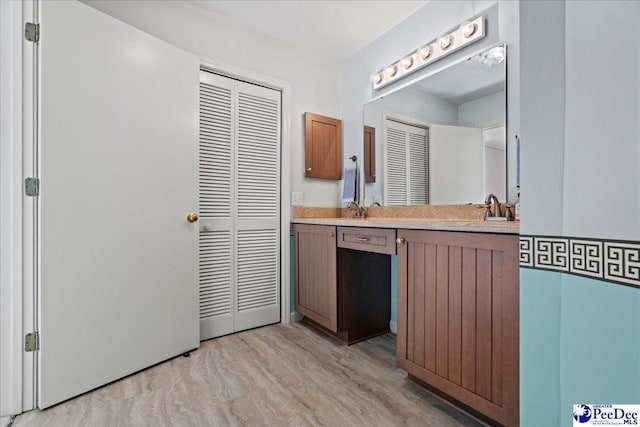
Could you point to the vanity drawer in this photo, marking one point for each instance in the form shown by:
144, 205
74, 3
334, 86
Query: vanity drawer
379, 240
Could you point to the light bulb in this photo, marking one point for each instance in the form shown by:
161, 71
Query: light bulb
468, 29
392, 70
491, 57
425, 52
407, 62
377, 78
445, 41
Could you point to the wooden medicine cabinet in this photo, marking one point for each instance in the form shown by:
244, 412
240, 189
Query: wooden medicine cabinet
323, 147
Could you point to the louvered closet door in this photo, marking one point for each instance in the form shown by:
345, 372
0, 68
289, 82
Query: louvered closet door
406, 165
239, 206
258, 206
217, 130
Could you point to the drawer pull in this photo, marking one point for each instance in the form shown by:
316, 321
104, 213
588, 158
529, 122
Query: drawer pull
362, 239
400, 240
332, 234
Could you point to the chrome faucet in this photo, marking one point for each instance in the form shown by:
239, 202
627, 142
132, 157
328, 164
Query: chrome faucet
359, 211
497, 211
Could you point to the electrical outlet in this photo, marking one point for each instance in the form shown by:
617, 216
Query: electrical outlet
297, 198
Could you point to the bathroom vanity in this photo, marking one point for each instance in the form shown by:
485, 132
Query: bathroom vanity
457, 299
342, 279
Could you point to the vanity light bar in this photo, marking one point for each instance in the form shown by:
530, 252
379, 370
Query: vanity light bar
467, 33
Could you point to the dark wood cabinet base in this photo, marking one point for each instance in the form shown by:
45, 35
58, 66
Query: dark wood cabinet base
364, 296
343, 337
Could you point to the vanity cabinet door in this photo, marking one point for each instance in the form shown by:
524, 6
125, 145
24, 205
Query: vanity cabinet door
458, 317
316, 274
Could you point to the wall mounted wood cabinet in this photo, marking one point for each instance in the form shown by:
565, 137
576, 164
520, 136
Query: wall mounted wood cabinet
369, 154
323, 147
458, 317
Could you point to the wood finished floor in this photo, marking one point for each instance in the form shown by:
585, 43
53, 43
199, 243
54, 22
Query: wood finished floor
280, 375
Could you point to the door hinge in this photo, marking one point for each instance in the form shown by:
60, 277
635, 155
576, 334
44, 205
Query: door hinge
32, 341
32, 32
32, 186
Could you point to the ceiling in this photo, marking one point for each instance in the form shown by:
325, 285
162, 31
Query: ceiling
333, 29
465, 81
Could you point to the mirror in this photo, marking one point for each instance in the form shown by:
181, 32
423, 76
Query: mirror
442, 139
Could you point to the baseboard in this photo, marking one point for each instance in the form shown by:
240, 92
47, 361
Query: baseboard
295, 316
394, 327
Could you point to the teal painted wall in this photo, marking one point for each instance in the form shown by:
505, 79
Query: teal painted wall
292, 277
599, 344
579, 343
394, 289
539, 348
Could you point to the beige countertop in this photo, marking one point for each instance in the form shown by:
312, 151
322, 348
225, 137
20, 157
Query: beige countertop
477, 226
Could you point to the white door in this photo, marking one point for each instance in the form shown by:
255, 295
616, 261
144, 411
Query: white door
495, 161
406, 164
240, 205
456, 165
119, 138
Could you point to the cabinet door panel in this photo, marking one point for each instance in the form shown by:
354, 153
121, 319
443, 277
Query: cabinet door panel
458, 317
316, 274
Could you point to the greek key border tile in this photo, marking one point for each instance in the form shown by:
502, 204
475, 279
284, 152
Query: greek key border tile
526, 251
608, 260
622, 262
551, 253
586, 257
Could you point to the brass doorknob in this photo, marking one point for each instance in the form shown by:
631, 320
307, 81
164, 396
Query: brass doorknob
192, 217
400, 240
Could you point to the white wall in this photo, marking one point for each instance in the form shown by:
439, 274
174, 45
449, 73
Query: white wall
434, 19
314, 82
542, 111
483, 112
602, 128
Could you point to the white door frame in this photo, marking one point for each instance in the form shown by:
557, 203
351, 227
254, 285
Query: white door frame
285, 172
17, 393
17, 160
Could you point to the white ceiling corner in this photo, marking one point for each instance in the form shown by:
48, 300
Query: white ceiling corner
334, 29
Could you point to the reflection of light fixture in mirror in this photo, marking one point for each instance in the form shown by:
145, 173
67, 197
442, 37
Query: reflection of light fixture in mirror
468, 29
407, 62
425, 52
445, 41
491, 57
466, 33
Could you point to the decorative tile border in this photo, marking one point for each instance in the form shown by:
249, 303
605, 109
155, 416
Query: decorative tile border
608, 260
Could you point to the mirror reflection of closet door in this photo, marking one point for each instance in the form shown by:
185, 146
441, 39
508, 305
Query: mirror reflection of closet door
406, 173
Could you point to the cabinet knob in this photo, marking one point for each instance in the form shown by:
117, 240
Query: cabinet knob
332, 234
192, 217
400, 240
308, 170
